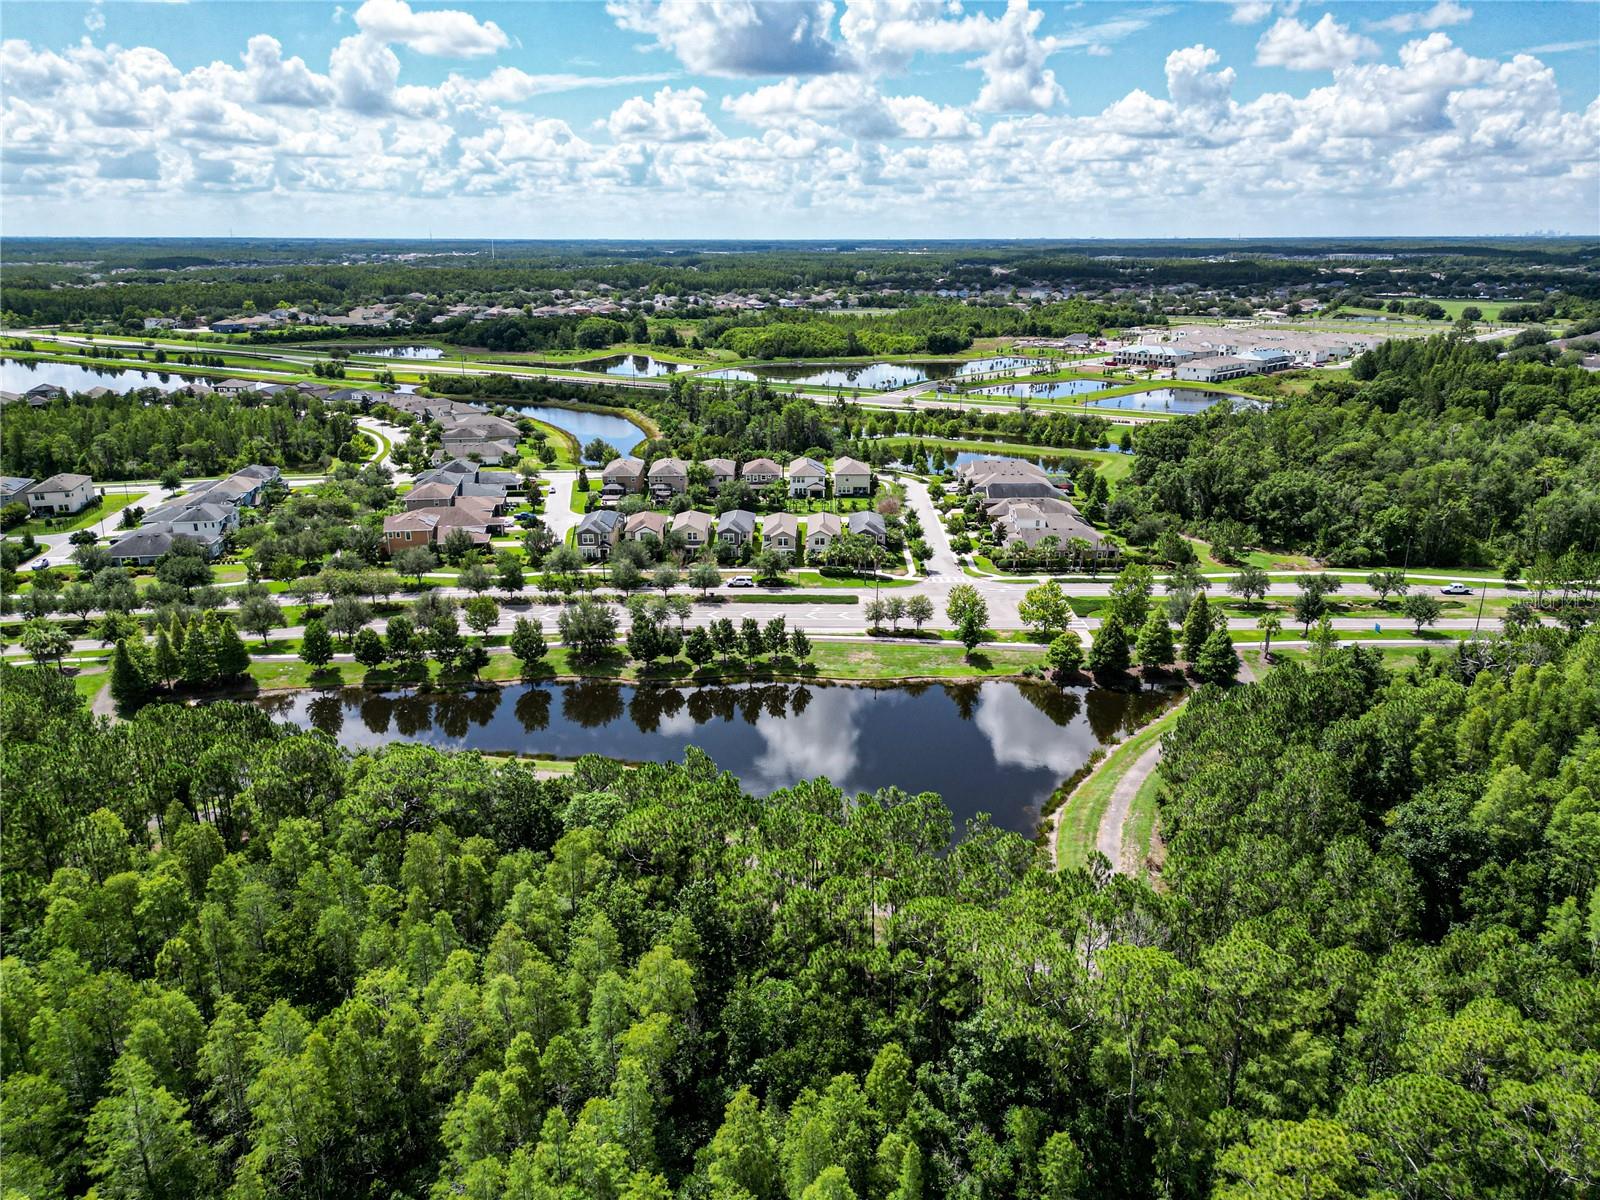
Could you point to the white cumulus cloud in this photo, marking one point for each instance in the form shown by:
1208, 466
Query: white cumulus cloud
1324, 46
445, 33
670, 116
1441, 16
737, 37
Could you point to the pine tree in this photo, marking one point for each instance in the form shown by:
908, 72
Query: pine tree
1218, 662
197, 664
233, 660
165, 661
1155, 641
1109, 650
1196, 628
140, 1141
129, 687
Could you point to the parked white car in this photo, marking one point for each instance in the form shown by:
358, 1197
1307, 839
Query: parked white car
1456, 589
741, 581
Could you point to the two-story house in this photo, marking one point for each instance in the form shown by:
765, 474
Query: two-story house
851, 477
759, 472
821, 529
621, 477
61, 495
668, 477
736, 527
599, 532
781, 532
806, 477
694, 527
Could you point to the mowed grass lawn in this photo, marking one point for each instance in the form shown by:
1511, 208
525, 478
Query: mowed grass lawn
1080, 816
113, 504
858, 662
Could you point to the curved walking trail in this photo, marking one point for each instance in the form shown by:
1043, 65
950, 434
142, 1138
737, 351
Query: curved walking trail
1109, 838
1129, 776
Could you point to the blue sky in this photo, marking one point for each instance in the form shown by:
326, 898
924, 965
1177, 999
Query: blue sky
800, 118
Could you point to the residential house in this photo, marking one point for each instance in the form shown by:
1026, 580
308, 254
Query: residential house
736, 527
644, 525
821, 529
851, 477
245, 486
723, 471
41, 394
234, 387
621, 477
806, 477
668, 477
476, 514
206, 521
14, 489
868, 525
409, 530
1006, 479
781, 532
141, 547
759, 472
1032, 520
483, 452
694, 526
61, 494
599, 532
438, 494
478, 427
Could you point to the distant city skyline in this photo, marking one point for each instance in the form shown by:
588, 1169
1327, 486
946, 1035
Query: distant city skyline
773, 119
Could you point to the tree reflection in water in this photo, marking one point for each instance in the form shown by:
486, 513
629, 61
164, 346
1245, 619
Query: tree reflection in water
326, 712
533, 709
999, 746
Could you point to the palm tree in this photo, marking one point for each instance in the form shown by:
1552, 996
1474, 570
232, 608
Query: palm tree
1269, 624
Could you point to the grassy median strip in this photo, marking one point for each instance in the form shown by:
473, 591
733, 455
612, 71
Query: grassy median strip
842, 661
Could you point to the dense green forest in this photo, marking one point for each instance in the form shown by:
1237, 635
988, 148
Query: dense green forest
242, 961
1434, 451
61, 280
129, 437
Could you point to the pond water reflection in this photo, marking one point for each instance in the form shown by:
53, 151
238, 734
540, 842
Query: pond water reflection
618, 432
996, 747
414, 352
20, 376
876, 376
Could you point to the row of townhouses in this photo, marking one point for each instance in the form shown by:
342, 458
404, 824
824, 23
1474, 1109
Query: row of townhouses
668, 477
600, 531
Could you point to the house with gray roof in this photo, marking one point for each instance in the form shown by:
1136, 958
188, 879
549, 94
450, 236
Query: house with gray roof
599, 532
14, 489
142, 547
736, 527
868, 525
60, 495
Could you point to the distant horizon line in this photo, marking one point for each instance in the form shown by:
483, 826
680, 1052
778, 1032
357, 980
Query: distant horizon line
803, 241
